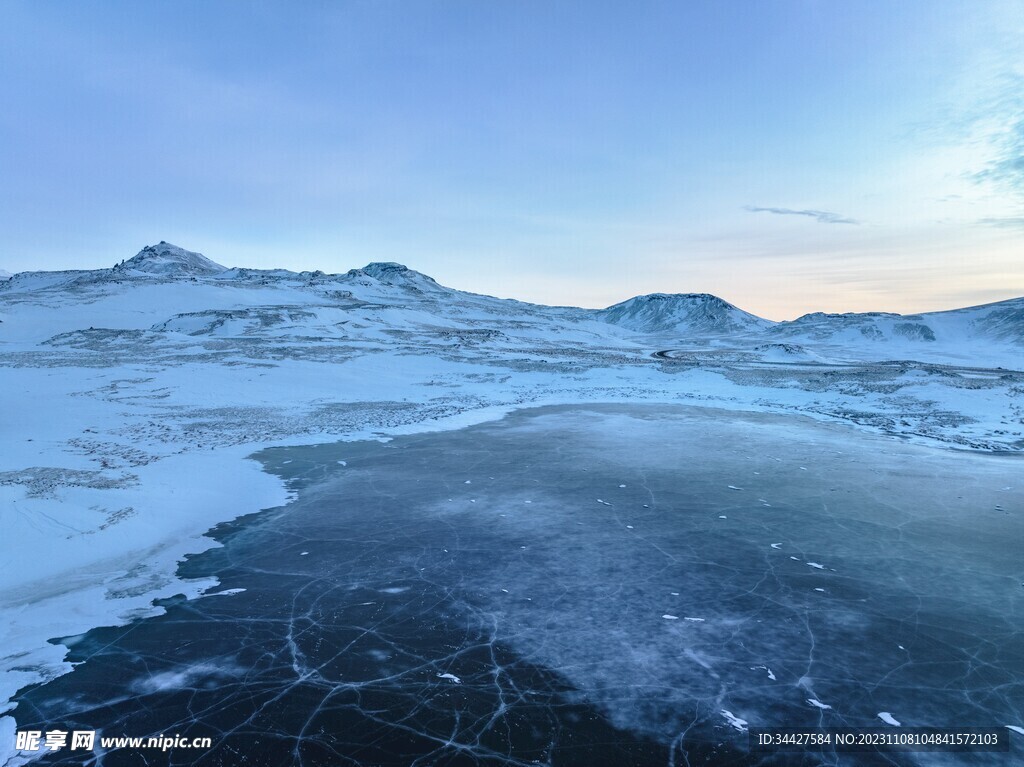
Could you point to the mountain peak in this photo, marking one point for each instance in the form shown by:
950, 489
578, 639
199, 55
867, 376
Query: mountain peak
167, 260
391, 273
694, 299
384, 270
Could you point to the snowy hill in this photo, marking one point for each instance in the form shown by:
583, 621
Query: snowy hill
398, 275
166, 260
1000, 320
165, 291
683, 313
857, 328
5, 275
154, 263
954, 330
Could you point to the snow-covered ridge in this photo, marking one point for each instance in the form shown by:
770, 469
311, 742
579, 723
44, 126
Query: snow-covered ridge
416, 299
1000, 321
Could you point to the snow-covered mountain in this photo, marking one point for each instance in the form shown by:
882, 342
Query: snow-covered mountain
167, 289
397, 275
682, 314
1000, 322
154, 263
5, 275
166, 260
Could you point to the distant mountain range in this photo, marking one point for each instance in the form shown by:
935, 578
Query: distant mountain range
675, 317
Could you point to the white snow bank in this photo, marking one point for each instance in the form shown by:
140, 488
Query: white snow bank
62, 582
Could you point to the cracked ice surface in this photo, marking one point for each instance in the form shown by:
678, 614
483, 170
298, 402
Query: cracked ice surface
409, 608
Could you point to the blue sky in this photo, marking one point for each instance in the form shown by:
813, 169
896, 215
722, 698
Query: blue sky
787, 156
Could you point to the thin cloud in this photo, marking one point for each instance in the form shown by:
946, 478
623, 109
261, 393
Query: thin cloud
1008, 166
821, 216
1008, 222
999, 125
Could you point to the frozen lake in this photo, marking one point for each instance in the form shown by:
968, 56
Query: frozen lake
587, 585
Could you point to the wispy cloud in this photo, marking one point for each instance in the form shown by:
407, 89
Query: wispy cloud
1000, 125
821, 216
1007, 166
1006, 222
